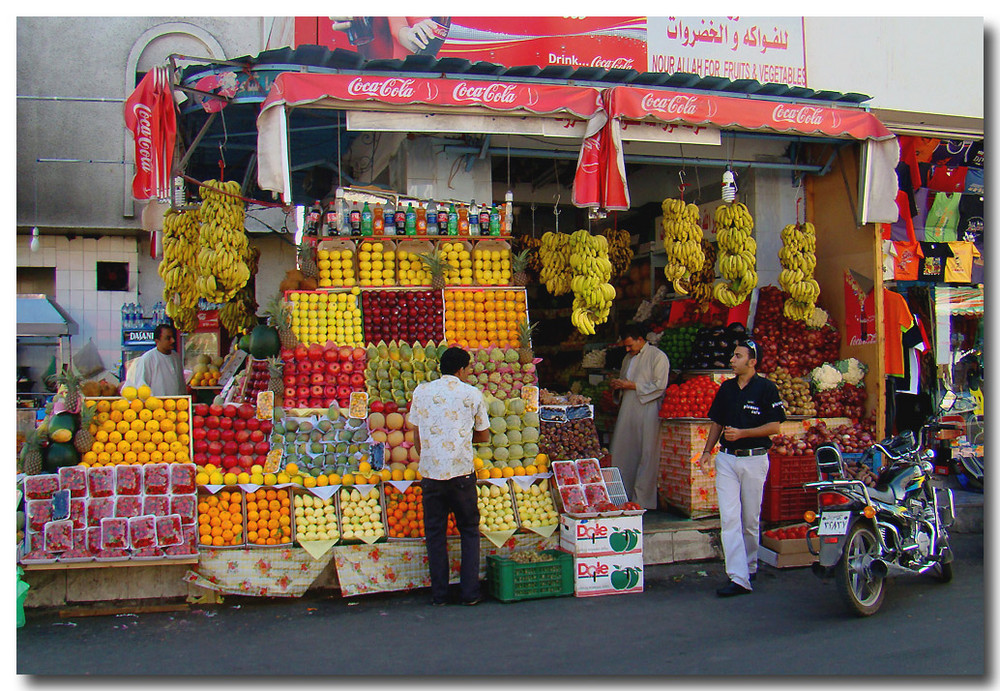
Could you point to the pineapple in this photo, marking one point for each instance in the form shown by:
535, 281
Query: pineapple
307, 259
31, 453
437, 265
83, 440
69, 382
520, 265
524, 353
276, 382
280, 318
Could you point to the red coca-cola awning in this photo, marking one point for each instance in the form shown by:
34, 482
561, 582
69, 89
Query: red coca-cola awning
150, 115
600, 176
344, 91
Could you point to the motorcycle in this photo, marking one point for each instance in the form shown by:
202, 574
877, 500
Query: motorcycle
866, 534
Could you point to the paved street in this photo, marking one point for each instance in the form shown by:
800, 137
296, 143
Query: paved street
793, 624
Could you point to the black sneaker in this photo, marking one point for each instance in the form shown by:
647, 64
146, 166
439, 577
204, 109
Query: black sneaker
731, 589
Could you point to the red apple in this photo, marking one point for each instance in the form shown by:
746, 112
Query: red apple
333, 368
242, 436
358, 381
227, 434
230, 410
290, 401
376, 406
347, 367
330, 355
230, 447
198, 433
390, 407
316, 403
262, 447
229, 461
214, 434
287, 354
358, 354
343, 379
239, 424
317, 378
253, 424
301, 352
245, 462
245, 448
212, 422
246, 411
225, 422
256, 436
290, 379
201, 409
200, 446
303, 392
215, 409
266, 426
305, 367
215, 448
261, 459
344, 392
346, 352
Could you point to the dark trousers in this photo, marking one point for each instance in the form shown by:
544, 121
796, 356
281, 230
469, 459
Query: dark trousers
457, 495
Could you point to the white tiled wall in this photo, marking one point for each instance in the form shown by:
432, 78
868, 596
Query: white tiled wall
98, 314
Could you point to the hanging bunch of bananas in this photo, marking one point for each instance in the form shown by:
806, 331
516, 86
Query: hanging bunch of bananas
533, 245
221, 268
239, 315
554, 254
682, 237
619, 250
593, 294
798, 260
178, 269
700, 284
737, 254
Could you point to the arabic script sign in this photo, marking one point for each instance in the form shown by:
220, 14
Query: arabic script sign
768, 49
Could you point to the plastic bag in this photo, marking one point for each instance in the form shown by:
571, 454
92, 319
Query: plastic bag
88, 360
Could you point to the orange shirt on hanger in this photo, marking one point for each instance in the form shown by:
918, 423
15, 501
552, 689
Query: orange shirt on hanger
898, 320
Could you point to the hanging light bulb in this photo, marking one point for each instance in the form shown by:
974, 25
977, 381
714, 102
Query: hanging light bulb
35, 242
728, 186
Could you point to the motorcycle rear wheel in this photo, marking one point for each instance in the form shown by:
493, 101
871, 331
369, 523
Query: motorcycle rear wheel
861, 590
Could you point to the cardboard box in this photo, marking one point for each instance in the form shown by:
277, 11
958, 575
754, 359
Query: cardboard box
682, 482
613, 574
601, 536
784, 561
788, 546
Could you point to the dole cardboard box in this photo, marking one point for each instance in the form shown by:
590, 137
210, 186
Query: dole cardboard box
607, 574
594, 536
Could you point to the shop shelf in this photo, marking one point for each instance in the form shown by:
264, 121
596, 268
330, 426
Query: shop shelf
509, 581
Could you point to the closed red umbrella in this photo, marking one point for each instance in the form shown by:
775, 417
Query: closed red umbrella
150, 115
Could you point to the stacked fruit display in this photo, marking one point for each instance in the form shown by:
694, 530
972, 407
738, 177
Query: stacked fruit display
315, 518
798, 260
514, 434
318, 376
269, 517
377, 263
682, 236
229, 437
852, 438
483, 318
138, 428
324, 447
788, 343
535, 506
395, 369
499, 372
737, 254
714, 346
206, 371
402, 315
336, 267
458, 256
253, 380
847, 401
496, 508
361, 515
556, 272
221, 258
318, 317
677, 342
794, 392
404, 512
411, 270
591, 269
693, 398
570, 440
492, 264
391, 427
220, 519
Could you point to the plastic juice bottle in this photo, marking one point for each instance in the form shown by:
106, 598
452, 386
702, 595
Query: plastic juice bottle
378, 221
452, 220
314, 219
389, 221
366, 220
507, 214
421, 219
463, 220
410, 220
484, 220
473, 218
432, 219
494, 220
400, 219
355, 220
330, 218
444, 219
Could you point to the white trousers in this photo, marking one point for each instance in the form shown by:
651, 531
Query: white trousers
739, 483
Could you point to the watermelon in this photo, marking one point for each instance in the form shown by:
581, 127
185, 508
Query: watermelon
59, 455
61, 427
264, 342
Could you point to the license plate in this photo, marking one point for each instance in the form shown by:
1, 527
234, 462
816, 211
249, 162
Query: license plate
834, 523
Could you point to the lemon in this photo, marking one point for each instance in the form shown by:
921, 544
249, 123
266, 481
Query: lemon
144, 392
256, 478
270, 478
409, 474
256, 468
216, 478
229, 479
243, 478
129, 393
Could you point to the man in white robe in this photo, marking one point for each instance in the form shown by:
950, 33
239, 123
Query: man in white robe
159, 368
635, 445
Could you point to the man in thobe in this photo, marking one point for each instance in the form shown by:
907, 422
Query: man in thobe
635, 444
159, 368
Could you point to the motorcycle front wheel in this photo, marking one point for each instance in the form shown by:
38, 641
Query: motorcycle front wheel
861, 589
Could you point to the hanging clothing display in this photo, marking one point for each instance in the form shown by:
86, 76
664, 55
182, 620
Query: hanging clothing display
942, 218
958, 267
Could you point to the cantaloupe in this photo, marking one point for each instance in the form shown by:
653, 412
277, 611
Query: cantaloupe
376, 421
394, 421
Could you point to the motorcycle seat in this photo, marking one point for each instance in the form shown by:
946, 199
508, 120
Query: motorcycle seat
886, 496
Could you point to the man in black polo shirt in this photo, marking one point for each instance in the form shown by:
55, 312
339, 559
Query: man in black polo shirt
746, 412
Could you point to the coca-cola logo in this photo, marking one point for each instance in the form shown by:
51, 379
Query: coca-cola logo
494, 94
612, 63
679, 104
144, 136
386, 88
798, 115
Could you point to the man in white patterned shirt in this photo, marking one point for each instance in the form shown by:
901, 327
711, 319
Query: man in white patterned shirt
449, 415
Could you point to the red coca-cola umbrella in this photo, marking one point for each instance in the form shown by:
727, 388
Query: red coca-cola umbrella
150, 115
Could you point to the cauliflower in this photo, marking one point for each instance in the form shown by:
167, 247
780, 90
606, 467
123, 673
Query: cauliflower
826, 377
854, 371
817, 319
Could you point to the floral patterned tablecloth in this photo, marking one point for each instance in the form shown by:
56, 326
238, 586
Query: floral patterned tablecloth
361, 569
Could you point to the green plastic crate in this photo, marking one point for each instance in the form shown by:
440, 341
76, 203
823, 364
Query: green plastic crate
510, 581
